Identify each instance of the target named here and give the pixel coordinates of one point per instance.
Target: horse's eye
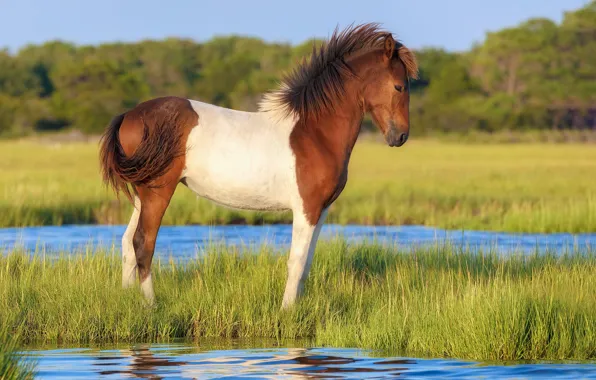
(399, 88)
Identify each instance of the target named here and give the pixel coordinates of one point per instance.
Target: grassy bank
(519, 188)
(437, 302)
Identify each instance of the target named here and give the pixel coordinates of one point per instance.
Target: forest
(539, 75)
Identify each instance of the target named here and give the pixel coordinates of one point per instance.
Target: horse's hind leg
(129, 261)
(154, 203)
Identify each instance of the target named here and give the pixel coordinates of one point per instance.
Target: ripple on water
(181, 361)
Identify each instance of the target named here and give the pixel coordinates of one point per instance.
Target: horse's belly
(234, 195)
(251, 183)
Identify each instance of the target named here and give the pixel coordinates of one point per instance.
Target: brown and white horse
(290, 155)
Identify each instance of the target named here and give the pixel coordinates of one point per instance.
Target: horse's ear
(389, 46)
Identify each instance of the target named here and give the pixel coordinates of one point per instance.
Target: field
(438, 302)
(537, 187)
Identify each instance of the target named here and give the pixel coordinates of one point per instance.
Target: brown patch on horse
(322, 158)
(141, 146)
(154, 203)
(328, 119)
(314, 86)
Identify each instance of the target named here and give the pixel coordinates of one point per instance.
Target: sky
(454, 25)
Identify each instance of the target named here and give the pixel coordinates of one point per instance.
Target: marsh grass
(12, 365)
(439, 302)
(537, 187)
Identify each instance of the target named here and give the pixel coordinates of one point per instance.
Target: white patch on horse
(242, 160)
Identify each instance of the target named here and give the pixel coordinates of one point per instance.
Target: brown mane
(313, 86)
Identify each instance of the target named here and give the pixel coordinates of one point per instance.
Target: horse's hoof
(286, 305)
(150, 304)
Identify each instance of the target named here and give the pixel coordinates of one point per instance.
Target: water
(191, 362)
(184, 242)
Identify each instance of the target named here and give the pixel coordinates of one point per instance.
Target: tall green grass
(438, 302)
(13, 366)
(520, 188)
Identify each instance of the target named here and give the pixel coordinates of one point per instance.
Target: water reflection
(144, 364)
(183, 361)
(294, 363)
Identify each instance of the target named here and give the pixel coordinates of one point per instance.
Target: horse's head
(386, 91)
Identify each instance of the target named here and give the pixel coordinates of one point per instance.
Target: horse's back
(240, 159)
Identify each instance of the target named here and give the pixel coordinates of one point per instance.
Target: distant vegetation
(538, 75)
(518, 188)
(437, 302)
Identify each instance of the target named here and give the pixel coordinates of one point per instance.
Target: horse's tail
(152, 158)
(112, 159)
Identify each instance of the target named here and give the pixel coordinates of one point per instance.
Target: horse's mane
(313, 85)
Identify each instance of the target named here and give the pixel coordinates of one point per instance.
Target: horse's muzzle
(395, 137)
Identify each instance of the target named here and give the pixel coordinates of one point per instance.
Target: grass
(438, 302)
(518, 136)
(519, 188)
(13, 366)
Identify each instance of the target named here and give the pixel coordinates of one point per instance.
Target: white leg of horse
(304, 241)
(147, 290)
(129, 260)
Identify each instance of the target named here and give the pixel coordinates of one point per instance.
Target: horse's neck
(341, 128)
(345, 119)
(333, 135)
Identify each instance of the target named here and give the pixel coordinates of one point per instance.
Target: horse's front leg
(304, 240)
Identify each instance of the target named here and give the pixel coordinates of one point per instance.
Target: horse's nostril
(403, 138)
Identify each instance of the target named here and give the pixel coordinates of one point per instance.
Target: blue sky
(451, 24)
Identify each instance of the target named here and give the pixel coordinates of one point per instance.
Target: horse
(291, 154)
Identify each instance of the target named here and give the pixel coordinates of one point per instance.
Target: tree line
(537, 75)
